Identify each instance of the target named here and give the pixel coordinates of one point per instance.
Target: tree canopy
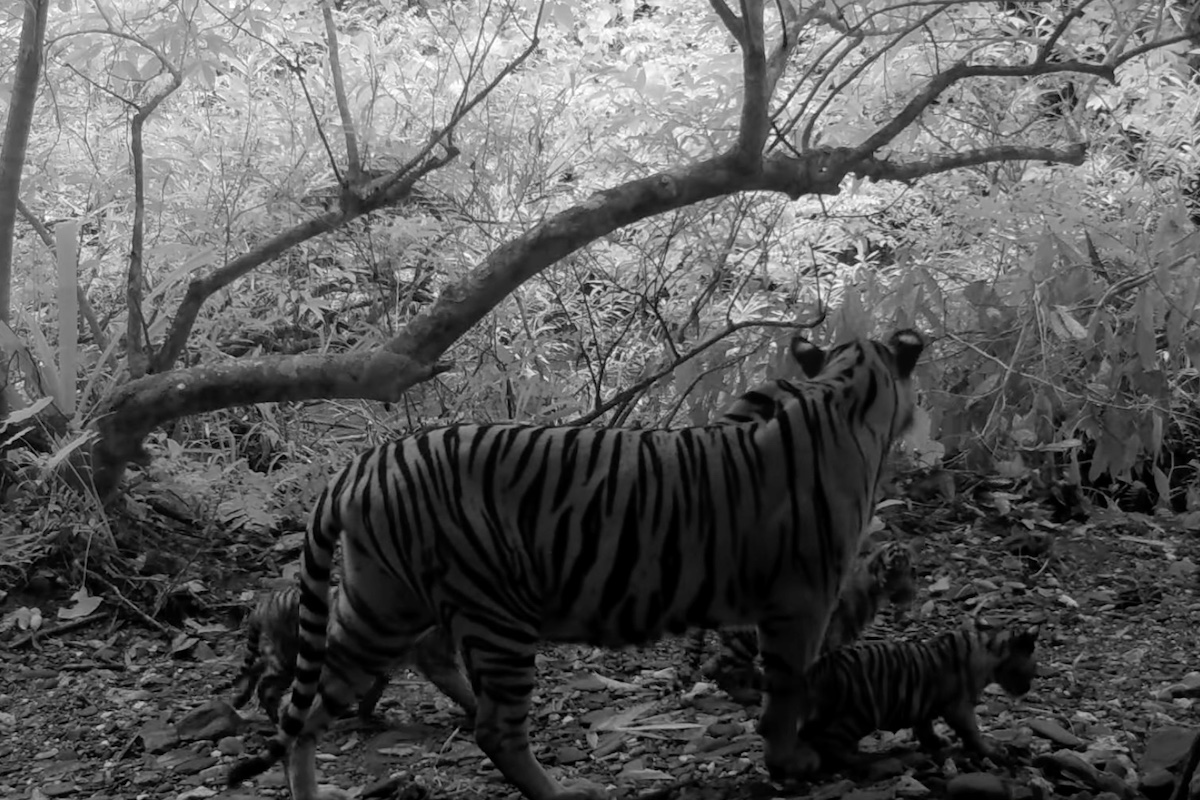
(605, 210)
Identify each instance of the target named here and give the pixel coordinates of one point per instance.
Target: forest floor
(109, 708)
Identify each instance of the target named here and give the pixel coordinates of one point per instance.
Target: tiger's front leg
(789, 646)
(962, 720)
(504, 683)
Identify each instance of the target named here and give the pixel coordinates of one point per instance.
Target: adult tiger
(508, 535)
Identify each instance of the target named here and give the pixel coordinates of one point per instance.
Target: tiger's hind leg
(367, 703)
(437, 660)
(301, 763)
(929, 738)
(504, 675)
(789, 646)
(361, 646)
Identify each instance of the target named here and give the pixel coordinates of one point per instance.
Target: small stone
(193, 765)
(58, 789)
(909, 786)
(1157, 784)
(388, 787)
(1167, 748)
(723, 730)
(570, 755)
(885, 769)
(1049, 729)
(869, 794)
(210, 722)
(230, 746)
(978, 786)
(158, 739)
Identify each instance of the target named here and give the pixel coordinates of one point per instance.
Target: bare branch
(200, 289)
(888, 170)
(1129, 55)
(944, 80)
(731, 21)
(413, 355)
(806, 136)
(630, 392)
(137, 347)
(790, 24)
(756, 93)
(387, 188)
(139, 406)
(1048, 47)
(353, 165)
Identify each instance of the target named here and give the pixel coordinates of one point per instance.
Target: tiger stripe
(508, 535)
(272, 642)
(886, 574)
(891, 686)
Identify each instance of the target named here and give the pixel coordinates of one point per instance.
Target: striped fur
(895, 685)
(886, 574)
(272, 641)
(508, 535)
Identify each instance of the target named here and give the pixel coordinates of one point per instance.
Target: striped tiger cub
(509, 535)
(270, 663)
(890, 686)
(886, 574)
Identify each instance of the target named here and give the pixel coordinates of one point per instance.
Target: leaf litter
(113, 710)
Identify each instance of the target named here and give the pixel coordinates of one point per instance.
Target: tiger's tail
(323, 529)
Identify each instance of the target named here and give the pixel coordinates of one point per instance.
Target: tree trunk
(12, 160)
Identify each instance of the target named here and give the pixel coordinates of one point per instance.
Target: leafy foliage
(1007, 262)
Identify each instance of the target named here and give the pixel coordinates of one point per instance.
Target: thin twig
(54, 630)
(129, 605)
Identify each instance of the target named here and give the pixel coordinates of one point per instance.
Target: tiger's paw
(994, 753)
(322, 792)
(805, 762)
(582, 790)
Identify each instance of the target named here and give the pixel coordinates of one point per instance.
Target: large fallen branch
(413, 355)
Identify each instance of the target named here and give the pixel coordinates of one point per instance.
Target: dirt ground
(111, 709)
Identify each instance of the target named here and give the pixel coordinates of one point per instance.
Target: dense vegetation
(267, 217)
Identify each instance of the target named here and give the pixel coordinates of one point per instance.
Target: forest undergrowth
(129, 699)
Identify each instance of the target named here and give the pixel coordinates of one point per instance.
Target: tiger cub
(884, 575)
(890, 685)
(272, 640)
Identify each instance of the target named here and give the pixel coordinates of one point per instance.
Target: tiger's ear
(1025, 641)
(907, 345)
(810, 357)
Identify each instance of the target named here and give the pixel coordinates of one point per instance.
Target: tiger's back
(671, 564)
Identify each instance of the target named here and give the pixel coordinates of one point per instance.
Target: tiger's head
(875, 377)
(894, 574)
(1014, 664)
